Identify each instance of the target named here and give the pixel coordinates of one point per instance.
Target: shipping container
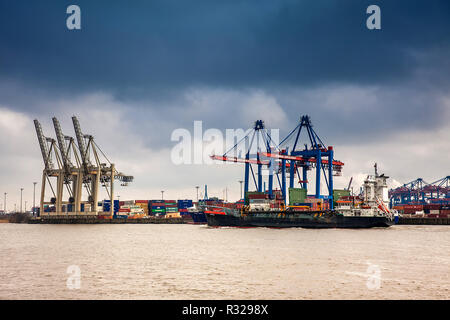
(296, 195)
(339, 193)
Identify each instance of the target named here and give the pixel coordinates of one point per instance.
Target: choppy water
(198, 262)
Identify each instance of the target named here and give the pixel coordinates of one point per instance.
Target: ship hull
(296, 220)
(198, 217)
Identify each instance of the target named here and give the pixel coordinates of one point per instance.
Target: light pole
(240, 181)
(162, 194)
(4, 203)
(21, 191)
(25, 205)
(197, 191)
(34, 198)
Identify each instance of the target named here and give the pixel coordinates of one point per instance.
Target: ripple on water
(197, 262)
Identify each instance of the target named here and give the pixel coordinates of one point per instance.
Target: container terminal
(76, 169)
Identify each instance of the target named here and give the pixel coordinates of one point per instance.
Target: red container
(443, 215)
(124, 210)
(431, 215)
(121, 203)
(141, 201)
(257, 196)
(432, 206)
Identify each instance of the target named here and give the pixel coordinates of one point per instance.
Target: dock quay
(82, 219)
(423, 221)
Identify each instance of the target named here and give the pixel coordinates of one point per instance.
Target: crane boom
(43, 145)
(81, 144)
(235, 159)
(297, 158)
(62, 145)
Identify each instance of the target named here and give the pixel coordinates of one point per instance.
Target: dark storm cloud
(140, 47)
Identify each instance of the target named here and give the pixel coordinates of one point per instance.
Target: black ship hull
(198, 217)
(275, 219)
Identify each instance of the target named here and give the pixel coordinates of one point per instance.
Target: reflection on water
(197, 262)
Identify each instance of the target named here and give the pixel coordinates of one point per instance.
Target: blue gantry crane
(284, 158)
(419, 191)
(254, 141)
(314, 155)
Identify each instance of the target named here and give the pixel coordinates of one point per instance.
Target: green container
(339, 193)
(296, 195)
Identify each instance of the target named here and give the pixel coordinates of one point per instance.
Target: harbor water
(199, 262)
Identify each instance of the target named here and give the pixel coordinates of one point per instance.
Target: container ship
(367, 211)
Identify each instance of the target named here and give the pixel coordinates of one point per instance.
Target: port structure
(285, 160)
(419, 192)
(74, 166)
(314, 155)
(253, 143)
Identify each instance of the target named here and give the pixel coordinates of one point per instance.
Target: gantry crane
(97, 172)
(255, 141)
(279, 160)
(74, 170)
(310, 157)
(421, 192)
(72, 173)
(49, 154)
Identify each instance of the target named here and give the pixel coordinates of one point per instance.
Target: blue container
(82, 207)
(184, 204)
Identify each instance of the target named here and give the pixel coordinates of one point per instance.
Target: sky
(137, 71)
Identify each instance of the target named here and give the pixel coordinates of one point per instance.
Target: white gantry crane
(77, 165)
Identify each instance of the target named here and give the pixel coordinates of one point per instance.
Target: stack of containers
(171, 207)
(127, 203)
(144, 205)
(183, 206)
(412, 208)
(317, 204)
(157, 207)
(431, 209)
(251, 195)
(444, 211)
(107, 205)
(239, 204)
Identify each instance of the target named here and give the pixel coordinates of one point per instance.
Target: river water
(198, 262)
